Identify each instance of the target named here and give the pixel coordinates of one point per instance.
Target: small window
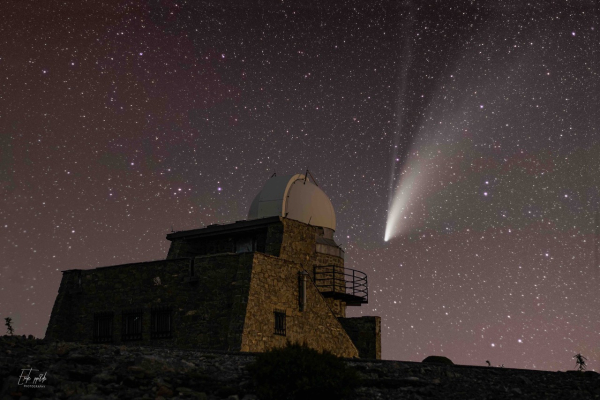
(132, 325)
(161, 323)
(103, 327)
(279, 322)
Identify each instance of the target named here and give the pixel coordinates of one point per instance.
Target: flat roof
(217, 229)
(126, 264)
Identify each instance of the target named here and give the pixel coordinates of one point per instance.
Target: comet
(431, 166)
(407, 198)
(398, 212)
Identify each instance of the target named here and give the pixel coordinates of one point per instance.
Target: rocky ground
(90, 372)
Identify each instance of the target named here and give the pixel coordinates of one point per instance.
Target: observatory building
(246, 286)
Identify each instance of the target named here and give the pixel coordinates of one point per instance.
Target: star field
(123, 120)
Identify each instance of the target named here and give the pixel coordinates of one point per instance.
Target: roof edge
(226, 228)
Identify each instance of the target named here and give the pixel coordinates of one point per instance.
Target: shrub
(298, 372)
(9, 328)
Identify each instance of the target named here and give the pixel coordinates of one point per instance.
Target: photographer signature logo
(30, 379)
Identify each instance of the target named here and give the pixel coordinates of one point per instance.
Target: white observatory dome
(293, 197)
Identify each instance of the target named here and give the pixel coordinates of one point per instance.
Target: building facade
(247, 286)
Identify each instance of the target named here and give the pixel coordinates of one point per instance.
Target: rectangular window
(161, 323)
(132, 325)
(103, 327)
(279, 322)
(244, 245)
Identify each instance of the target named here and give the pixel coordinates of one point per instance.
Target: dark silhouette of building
(245, 286)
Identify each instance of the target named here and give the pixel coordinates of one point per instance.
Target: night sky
(476, 120)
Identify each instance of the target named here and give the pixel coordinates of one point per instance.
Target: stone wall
(365, 333)
(337, 306)
(275, 287)
(298, 243)
(224, 301)
(208, 309)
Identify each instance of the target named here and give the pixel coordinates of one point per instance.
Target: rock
(526, 381)
(92, 397)
(164, 391)
(112, 387)
(92, 388)
(82, 373)
(183, 391)
(162, 382)
(438, 360)
(98, 371)
(136, 372)
(104, 378)
(83, 359)
(130, 394)
(46, 391)
(72, 388)
(62, 349)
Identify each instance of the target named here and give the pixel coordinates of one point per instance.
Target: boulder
(438, 360)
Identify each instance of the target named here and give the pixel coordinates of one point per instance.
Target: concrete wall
(208, 310)
(365, 333)
(274, 286)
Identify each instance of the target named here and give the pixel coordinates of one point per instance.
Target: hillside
(90, 372)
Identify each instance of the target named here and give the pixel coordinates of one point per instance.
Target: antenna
(312, 177)
(274, 174)
(306, 174)
(172, 229)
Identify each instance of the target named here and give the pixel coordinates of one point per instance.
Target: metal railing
(346, 283)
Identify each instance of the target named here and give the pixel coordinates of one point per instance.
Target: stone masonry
(224, 287)
(275, 286)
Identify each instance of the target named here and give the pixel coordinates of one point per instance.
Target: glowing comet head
(398, 222)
